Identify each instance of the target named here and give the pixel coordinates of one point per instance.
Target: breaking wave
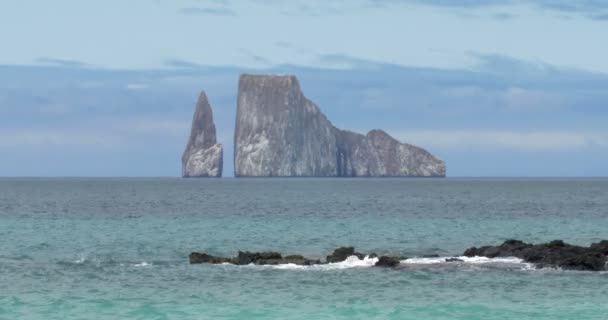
(464, 259)
(367, 262)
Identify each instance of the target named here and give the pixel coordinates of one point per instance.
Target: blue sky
(495, 88)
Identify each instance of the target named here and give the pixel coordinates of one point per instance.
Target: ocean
(117, 248)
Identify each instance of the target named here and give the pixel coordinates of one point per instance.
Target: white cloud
(523, 140)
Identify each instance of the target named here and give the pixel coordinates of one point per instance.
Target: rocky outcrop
(387, 262)
(553, 254)
(340, 254)
(279, 132)
(203, 157)
(257, 258)
(275, 258)
(377, 154)
(199, 257)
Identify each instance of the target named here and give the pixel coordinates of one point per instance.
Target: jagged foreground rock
(275, 258)
(203, 156)
(281, 133)
(554, 254)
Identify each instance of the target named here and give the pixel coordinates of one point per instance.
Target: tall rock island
(203, 156)
(281, 133)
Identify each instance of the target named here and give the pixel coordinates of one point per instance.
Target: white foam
(469, 260)
(463, 259)
(143, 264)
(350, 262)
(366, 262)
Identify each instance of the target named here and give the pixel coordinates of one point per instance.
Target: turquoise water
(117, 248)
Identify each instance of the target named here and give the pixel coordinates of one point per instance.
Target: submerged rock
(203, 156)
(553, 254)
(279, 132)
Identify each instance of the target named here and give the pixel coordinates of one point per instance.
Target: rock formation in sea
(275, 258)
(279, 132)
(341, 253)
(556, 253)
(203, 156)
(258, 258)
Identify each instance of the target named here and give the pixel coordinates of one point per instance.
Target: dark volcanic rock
(294, 256)
(197, 257)
(340, 254)
(247, 257)
(258, 258)
(203, 157)
(272, 258)
(553, 254)
(281, 133)
(385, 261)
(509, 248)
(300, 260)
(601, 246)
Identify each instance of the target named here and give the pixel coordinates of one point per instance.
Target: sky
(494, 88)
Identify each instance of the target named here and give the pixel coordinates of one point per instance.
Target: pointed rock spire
(203, 156)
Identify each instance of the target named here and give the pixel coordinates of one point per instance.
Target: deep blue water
(118, 248)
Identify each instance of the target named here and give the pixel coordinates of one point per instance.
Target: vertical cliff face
(203, 157)
(279, 132)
